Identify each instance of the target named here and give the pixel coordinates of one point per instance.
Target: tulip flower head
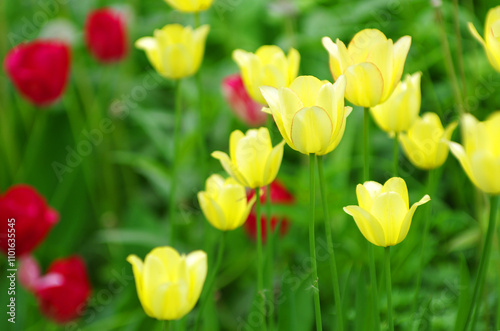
(243, 106)
(175, 51)
(62, 292)
(480, 154)
(190, 6)
(224, 203)
(383, 214)
(310, 114)
(426, 142)
(491, 41)
(268, 66)
(372, 64)
(398, 112)
(105, 35)
(22, 208)
(39, 70)
(279, 196)
(169, 284)
(252, 161)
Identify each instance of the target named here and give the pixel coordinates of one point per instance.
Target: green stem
(395, 155)
(175, 160)
(33, 143)
(331, 252)
(260, 264)
(389, 287)
(312, 241)
(458, 35)
(483, 264)
(210, 284)
(202, 125)
(196, 19)
(430, 191)
(270, 256)
(373, 283)
(166, 325)
(366, 144)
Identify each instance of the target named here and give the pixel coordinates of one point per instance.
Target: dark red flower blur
(279, 195)
(39, 70)
(32, 219)
(244, 107)
(62, 292)
(106, 35)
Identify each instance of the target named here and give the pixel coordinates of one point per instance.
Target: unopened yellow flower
(224, 203)
(398, 112)
(252, 162)
(175, 51)
(310, 114)
(169, 284)
(190, 6)
(383, 215)
(480, 155)
(268, 66)
(372, 64)
(426, 142)
(491, 41)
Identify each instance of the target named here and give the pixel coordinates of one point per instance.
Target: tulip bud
(279, 196)
(25, 213)
(426, 142)
(105, 35)
(310, 114)
(224, 203)
(253, 162)
(175, 51)
(268, 66)
(491, 41)
(63, 291)
(383, 215)
(402, 107)
(246, 109)
(39, 70)
(190, 6)
(169, 284)
(480, 154)
(372, 64)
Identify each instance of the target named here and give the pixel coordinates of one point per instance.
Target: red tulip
(39, 70)
(33, 219)
(105, 35)
(279, 195)
(62, 292)
(244, 107)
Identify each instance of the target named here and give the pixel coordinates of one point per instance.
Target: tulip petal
(397, 185)
(311, 130)
(338, 132)
(169, 301)
(196, 263)
(339, 59)
(365, 84)
(234, 139)
(293, 59)
(405, 226)
(137, 268)
(365, 199)
(230, 167)
(462, 157)
(486, 170)
(273, 163)
(368, 225)
(390, 209)
(212, 211)
(251, 153)
(401, 49)
(307, 89)
(177, 61)
(234, 201)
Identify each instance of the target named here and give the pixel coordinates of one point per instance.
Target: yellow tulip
(372, 64)
(224, 203)
(190, 6)
(310, 114)
(383, 215)
(253, 162)
(480, 155)
(175, 51)
(426, 143)
(268, 66)
(491, 41)
(168, 284)
(398, 112)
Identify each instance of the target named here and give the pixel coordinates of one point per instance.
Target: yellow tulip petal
(169, 301)
(230, 167)
(234, 139)
(311, 130)
(365, 84)
(338, 132)
(307, 89)
(363, 42)
(339, 59)
(273, 163)
(137, 268)
(177, 61)
(365, 200)
(405, 226)
(475, 34)
(214, 183)
(486, 170)
(397, 185)
(401, 49)
(212, 211)
(250, 157)
(390, 209)
(369, 227)
(234, 199)
(196, 263)
(290, 105)
(293, 59)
